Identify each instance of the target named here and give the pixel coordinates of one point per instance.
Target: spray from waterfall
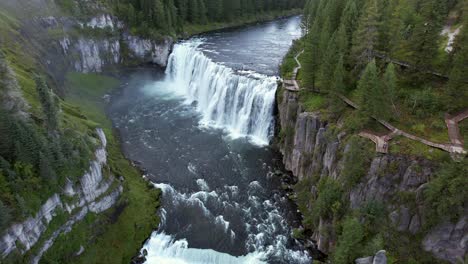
(241, 103)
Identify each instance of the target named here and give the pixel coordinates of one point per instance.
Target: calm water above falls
(201, 130)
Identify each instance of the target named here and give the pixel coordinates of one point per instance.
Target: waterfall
(240, 103)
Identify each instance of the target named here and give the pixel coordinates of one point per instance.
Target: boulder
(366, 260)
(380, 257)
(448, 241)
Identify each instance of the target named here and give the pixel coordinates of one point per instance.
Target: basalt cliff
(314, 149)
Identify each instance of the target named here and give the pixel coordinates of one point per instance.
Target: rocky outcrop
(149, 51)
(448, 241)
(93, 54)
(309, 150)
(91, 45)
(93, 193)
(104, 21)
(379, 258)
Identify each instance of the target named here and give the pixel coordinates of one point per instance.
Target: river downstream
(201, 130)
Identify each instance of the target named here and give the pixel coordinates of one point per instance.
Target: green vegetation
(86, 91)
(55, 139)
(349, 240)
(356, 162)
(120, 231)
(389, 58)
(289, 63)
(36, 153)
(357, 48)
(312, 102)
(159, 17)
(446, 195)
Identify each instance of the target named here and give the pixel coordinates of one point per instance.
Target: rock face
(94, 44)
(93, 54)
(448, 241)
(149, 51)
(93, 193)
(308, 150)
(379, 258)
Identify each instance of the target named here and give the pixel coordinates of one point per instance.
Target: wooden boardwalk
(455, 147)
(292, 85)
(453, 129)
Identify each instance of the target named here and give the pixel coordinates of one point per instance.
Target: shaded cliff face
(310, 150)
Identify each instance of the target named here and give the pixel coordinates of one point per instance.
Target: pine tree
(390, 84)
(339, 74)
(342, 40)
(328, 63)
(365, 37)
(384, 34)
(424, 41)
(366, 90)
(160, 15)
(349, 19)
(49, 105)
(202, 10)
(311, 59)
(45, 170)
(457, 88)
(397, 29)
(338, 85)
(5, 216)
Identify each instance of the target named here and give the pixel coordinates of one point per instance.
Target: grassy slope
(123, 228)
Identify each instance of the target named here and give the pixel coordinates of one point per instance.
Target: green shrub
(446, 195)
(349, 242)
(356, 162)
(328, 201)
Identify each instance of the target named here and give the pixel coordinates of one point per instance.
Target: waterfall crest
(240, 103)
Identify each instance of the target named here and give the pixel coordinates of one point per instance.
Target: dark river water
(201, 130)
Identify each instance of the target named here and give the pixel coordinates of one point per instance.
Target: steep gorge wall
(310, 149)
(93, 193)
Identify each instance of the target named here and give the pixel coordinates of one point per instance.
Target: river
(201, 130)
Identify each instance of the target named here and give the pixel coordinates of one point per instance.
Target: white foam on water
(203, 185)
(266, 228)
(163, 248)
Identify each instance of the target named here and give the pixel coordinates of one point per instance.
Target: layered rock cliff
(310, 149)
(94, 192)
(94, 44)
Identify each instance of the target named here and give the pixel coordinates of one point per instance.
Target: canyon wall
(94, 193)
(93, 44)
(310, 149)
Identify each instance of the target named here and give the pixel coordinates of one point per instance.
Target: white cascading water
(266, 235)
(242, 104)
